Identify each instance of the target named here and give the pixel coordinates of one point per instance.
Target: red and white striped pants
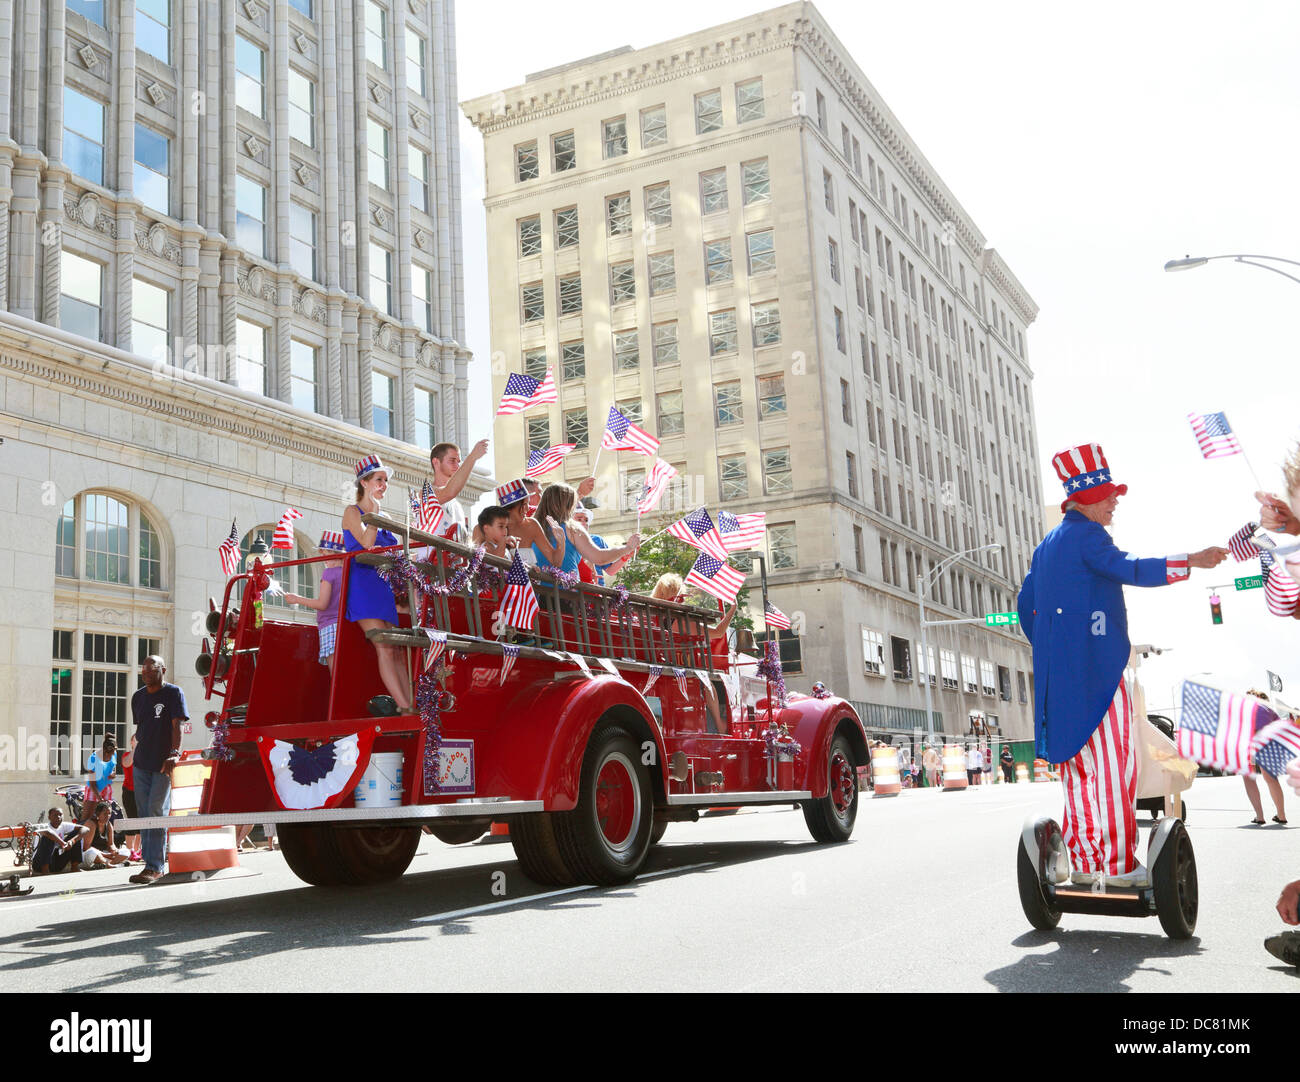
(1100, 822)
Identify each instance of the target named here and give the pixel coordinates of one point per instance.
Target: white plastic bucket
(381, 785)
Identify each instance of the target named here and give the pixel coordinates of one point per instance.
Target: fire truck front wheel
(328, 856)
(605, 839)
(831, 818)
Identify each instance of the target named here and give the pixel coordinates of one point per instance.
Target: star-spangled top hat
(511, 492)
(1085, 474)
(371, 464)
(331, 541)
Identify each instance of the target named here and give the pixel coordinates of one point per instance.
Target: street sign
(1250, 582)
(1000, 619)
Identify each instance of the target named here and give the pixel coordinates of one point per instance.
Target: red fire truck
(587, 736)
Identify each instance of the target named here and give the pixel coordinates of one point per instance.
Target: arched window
(112, 610)
(295, 580)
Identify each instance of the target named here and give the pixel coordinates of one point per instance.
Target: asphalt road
(923, 898)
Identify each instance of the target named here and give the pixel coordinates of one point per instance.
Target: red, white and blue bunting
(437, 644)
(303, 778)
(680, 674)
(509, 655)
(656, 671)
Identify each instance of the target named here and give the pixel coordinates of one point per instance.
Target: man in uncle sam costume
(1071, 607)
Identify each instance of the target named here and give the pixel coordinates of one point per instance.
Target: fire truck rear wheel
(533, 839)
(605, 839)
(660, 829)
(328, 856)
(831, 818)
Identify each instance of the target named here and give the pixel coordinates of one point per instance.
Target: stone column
(191, 106)
(124, 271)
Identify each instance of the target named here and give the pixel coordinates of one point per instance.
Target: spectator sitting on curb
(58, 846)
(98, 849)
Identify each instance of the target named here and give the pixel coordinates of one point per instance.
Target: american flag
(525, 391)
(656, 671)
(437, 644)
(622, 435)
(775, 617)
(1281, 591)
(283, 538)
(715, 577)
(1266, 562)
(1240, 544)
(741, 531)
(426, 509)
(656, 484)
(544, 461)
(697, 529)
(228, 550)
(1214, 435)
(1217, 727)
(519, 603)
(509, 655)
(1275, 745)
(680, 675)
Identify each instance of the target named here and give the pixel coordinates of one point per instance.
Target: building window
(415, 50)
(83, 135)
(821, 111)
(631, 409)
(987, 680)
(622, 282)
(618, 213)
(530, 236)
(948, 669)
(376, 35)
(302, 108)
(301, 579)
(250, 357)
(535, 363)
(570, 293)
(663, 273)
(575, 428)
(767, 324)
(150, 327)
(771, 397)
(761, 248)
(152, 28)
(302, 375)
(873, 647)
(659, 205)
(381, 278)
(250, 77)
(538, 430)
(668, 410)
(708, 112)
(841, 338)
(733, 477)
(91, 9)
(526, 166)
(381, 404)
(613, 136)
(781, 543)
(788, 646)
(81, 299)
(532, 299)
(828, 190)
(851, 472)
(777, 476)
(564, 152)
(627, 355)
(376, 153)
(755, 183)
(422, 297)
(566, 227)
(846, 403)
(302, 240)
(749, 101)
(426, 417)
(727, 408)
(654, 127)
(722, 332)
(713, 191)
(900, 651)
(633, 482)
(968, 677)
(301, 5)
(833, 256)
(664, 337)
(859, 552)
(250, 215)
(573, 361)
(717, 261)
(417, 168)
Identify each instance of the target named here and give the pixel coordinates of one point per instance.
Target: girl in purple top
(326, 603)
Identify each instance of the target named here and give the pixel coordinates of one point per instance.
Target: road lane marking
(506, 903)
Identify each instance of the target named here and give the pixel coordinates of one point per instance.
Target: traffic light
(1216, 611)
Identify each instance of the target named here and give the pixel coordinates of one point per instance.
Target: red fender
(813, 723)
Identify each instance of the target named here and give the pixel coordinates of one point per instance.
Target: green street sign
(1000, 619)
(1250, 582)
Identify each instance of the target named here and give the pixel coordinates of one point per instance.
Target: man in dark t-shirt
(158, 709)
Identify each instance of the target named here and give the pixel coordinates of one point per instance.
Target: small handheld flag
(524, 391)
(656, 484)
(1281, 591)
(622, 435)
(426, 509)
(1274, 681)
(741, 532)
(1240, 544)
(697, 529)
(1214, 435)
(283, 538)
(519, 603)
(775, 617)
(1217, 727)
(714, 576)
(544, 460)
(228, 551)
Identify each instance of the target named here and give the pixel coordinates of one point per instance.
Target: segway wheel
(1033, 899)
(1173, 880)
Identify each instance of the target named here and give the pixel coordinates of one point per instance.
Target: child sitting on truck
(326, 603)
(494, 529)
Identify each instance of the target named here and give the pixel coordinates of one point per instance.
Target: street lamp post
(923, 583)
(1192, 262)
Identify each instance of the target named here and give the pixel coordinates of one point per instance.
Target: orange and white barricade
(1022, 772)
(885, 778)
(196, 849)
(954, 766)
(1042, 770)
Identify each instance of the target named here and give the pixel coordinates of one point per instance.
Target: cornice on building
(997, 271)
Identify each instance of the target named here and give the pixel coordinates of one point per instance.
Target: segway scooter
(1043, 874)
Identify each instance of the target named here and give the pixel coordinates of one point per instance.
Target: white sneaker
(1136, 879)
(1084, 879)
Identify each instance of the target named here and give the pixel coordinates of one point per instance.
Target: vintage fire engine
(596, 738)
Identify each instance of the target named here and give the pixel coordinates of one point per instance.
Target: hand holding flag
(524, 391)
(622, 435)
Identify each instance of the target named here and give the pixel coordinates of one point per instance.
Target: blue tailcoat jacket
(1071, 607)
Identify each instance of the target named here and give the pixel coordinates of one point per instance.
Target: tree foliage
(665, 554)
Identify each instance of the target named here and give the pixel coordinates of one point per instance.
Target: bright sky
(1090, 146)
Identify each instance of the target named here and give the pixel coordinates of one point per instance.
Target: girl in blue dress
(370, 599)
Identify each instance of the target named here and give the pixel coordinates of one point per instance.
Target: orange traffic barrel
(885, 780)
(954, 766)
(196, 849)
(1022, 772)
(1041, 770)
